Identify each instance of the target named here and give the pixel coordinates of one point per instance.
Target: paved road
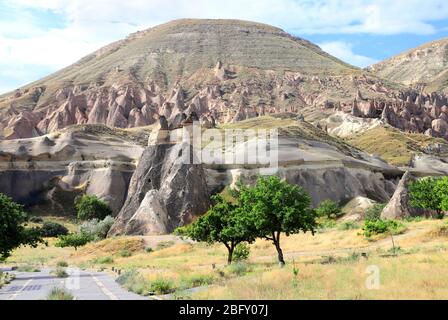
(83, 285)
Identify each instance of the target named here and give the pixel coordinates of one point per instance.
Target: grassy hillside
(392, 145)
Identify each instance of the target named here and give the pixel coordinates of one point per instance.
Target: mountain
(224, 70)
(425, 66)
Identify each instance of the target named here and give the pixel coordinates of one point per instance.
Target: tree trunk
(281, 260)
(230, 255)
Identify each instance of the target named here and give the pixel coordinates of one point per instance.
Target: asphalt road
(83, 285)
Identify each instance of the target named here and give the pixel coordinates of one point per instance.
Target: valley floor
(335, 263)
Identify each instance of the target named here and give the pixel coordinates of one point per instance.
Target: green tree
(425, 194)
(224, 223)
(90, 207)
(74, 240)
(13, 230)
(441, 190)
(275, 206)
(329, 209)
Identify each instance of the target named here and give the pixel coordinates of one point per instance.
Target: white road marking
(21, 289)
(104, 289)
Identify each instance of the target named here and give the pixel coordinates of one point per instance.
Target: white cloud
(344, 51)
(89, 24)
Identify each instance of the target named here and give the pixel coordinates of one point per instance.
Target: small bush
(162, 286)
(35, 219)
(325, 223)
(103, 260)
(239, 268)
(348, 225)
(62, 264)
(329, 209)
(197, 280)
(52, 229)
(241, 252)
(97, 229)
(91, 207)
(125, 253)
(74, 240)
(149, 249)
(60, 272)
(28, 268)
(374, 212)
(375, 227)
(134, 282)
(59, 294)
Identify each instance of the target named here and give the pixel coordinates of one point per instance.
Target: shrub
(239, 268)
(52, 229)
(348, 225)
(134, 282)
(241, 252)
(90, 207)
(62, 264)
(374, 212)
(103, 260)
(59, 294)
(74, 240)
(329, 209)
(149, 249)
(197, 280)
(326, 223)
(125, 253)
(375, 227)
(162, 286)
(35, 219)
(28, 268)
(96, 228)
(60, 272)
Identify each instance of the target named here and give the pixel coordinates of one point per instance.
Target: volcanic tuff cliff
(225, 70)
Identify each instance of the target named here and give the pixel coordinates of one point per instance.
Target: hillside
(225, 70)
(425, 66)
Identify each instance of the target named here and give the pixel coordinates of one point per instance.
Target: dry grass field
(333, 264)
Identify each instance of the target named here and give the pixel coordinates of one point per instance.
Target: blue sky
(38, 37)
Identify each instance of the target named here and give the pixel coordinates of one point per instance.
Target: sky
(38, 37)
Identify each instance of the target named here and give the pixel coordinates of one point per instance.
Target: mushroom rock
(371, 110)
(148, 114)
(205, 122)
(398, 206)
(359, 95)
(220, 72)
(177, 98)
(116, 117)
(355, 110)
(177, 121)
(162, 198)
(240, 115)
(166, 109)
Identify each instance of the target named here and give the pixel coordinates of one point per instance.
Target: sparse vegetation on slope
(392, 145)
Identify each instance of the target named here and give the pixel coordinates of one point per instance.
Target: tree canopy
(224, 223)
(430, 193)
(274, 206)
(13, 230)
(90, 207)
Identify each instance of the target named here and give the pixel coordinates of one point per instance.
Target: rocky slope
(425, 67)
(224, 70)
(46, 173)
